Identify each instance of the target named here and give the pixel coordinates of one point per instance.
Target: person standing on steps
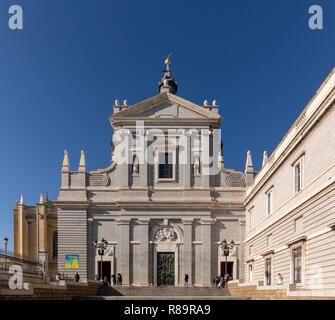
(77, 277)
(280, 279)
(114, 279)
(186, 280)
(119, 279)
(225, 280)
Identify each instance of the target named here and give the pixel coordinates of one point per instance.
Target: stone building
(164, 204)
(290, 205)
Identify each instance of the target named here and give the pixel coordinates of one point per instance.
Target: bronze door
(165, 269)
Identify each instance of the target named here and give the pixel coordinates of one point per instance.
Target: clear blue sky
(60, 75)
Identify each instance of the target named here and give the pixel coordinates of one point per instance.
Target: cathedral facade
(164, 204)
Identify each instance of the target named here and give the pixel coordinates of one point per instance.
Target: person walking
(77, 277)
(213, 282)
(186, 280)
(217, 281)
(114, 279)
(280, 279)
(225, 280)
(120, 279)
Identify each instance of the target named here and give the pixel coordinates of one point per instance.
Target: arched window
(55, 245)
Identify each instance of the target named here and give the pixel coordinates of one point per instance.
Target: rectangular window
(297, 176)
(268, 271)
(269, 240)
(250, 272)
(297, 264)
(269, 201)
(250, 220)
(250, 249)
(298, 226)
(165, 165)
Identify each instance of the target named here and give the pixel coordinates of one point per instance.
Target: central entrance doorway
(165, 268)
(229, 269)
(106, 270)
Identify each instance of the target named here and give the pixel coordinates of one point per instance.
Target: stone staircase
(39, 291)
(162, 291)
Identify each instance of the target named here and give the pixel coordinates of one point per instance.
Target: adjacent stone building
(290, 205)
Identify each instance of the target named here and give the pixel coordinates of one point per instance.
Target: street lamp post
(101, 246)
(225, 250)
(6, 243)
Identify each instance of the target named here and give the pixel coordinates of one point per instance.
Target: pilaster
(23, 231)
(187, 248)
(142, 155)
(144, 239)
(206, 263)
(185, 159)
(205, 149)
(123, 266)
(124, 157)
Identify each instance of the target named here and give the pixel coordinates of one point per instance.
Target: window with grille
(268, 271)
(297, 176)
(269, 202)
(297, 264)
(165, 165)
(55, 245)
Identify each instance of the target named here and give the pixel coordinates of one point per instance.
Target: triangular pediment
(166, 106)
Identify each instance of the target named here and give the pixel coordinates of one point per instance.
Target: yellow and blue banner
(72, 261)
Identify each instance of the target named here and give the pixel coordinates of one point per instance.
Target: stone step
(162, 291)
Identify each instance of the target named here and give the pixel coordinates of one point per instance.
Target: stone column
(90, 250)
(22, 231)
(123, 156)
(204, 165)
(42, 227)
(124, 249)
(144, 248)
(185, 159)
(143, 159)
(188, 248)
(206, 263)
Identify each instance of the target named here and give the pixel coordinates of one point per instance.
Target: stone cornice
(154, 101)
(123, 221)
(301, 238)
(144, 220)
(187, 220)
(167, 121)
(182, 204)
(207, 221)
(267, 253)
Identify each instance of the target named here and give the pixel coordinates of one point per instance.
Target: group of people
(117, 279)
(64, 277)
(220, 281)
